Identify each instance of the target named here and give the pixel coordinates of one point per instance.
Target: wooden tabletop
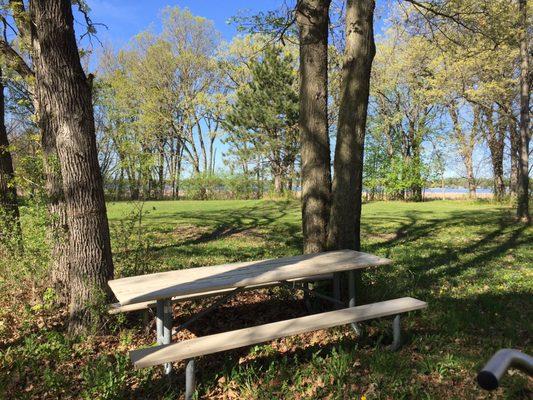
(165, 285)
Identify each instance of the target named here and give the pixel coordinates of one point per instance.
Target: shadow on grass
(471, 324)
(219, 225)
(446, 261)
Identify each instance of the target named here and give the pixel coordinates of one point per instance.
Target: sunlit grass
(470, 261)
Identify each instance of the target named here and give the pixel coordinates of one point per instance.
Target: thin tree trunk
(471, 181)
(10, 231)
(58, 231)
(515, 142)
(522, 209)
(203, 149)
(466, 145)
(416, 189)
(344, 229)
(495, 140)
(64, 88)
(312, 19)
(161, 171)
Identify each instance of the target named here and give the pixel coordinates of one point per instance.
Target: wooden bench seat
(117, 308)
(248, 336)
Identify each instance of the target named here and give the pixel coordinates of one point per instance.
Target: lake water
(457, 190)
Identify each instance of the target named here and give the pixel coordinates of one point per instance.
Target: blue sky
(126, 18)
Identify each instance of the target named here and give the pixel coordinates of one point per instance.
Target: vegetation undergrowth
(469, 260)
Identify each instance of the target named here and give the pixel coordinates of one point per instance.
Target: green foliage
(31, 260)
(224, 186)
(262, 123)
(132, 246)
(159, 104)
(402, 124)
(106, 378)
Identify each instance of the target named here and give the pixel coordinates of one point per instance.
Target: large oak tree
(312, 19)
(64, 95)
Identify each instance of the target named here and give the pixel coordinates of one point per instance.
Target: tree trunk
(65, 90)
(10, 231)
(344, 229)
(58, 232)
(312, 19)
(416, 188)
(119, 192)
(522, 209)
(515, 141)
(471, 181)
(161, 171)
(495, 140)
(466, 144)
(278, 182)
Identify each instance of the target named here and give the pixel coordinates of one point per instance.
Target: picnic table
(164, 288)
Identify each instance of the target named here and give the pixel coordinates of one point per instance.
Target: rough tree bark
(522, 209)
(10, 231)
(57, 231)
(312, 19)
(64, 89)
(344, 228)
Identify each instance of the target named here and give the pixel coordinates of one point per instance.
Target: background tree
(402, 112)
(265, 114)
(522, 210)
(481, 29)
(10, 230)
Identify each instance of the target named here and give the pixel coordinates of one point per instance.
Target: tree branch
(15, 61)
(20, 17)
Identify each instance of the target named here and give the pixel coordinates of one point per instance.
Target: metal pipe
(160, 312)
(396, 334)
(489, 377)
(351, 288)
(351, 303)
(167, 330)
(190, 381)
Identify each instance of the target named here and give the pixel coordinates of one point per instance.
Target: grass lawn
(469, 260)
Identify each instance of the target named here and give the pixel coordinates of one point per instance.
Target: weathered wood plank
(116, 308)
(244, 337)
(204, 279)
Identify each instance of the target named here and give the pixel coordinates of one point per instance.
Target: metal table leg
(396, 334)
(351, 289)
(190, 381)
(164, 326)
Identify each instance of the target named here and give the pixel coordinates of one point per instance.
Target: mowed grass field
(470, 261)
